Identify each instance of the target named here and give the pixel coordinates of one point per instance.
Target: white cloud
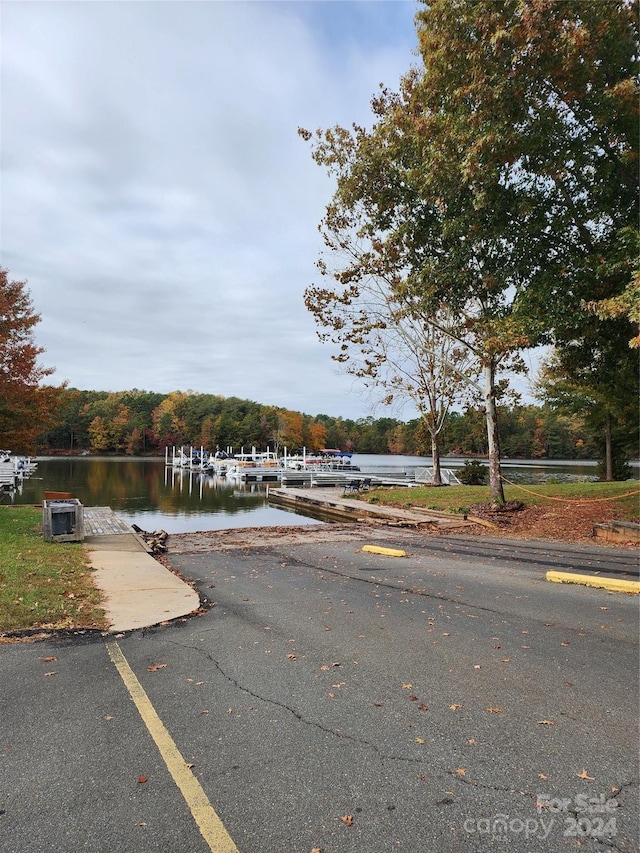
(157, 197)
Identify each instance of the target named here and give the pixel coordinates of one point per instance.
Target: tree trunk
(493, 438)
(435, 455)
(608, 451)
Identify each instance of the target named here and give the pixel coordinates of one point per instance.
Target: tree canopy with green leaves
(501, 180)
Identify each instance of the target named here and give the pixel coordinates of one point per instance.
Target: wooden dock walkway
(102, 521)
(330, 503)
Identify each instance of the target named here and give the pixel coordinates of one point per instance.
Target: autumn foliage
(25, 407)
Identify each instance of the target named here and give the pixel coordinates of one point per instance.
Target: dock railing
(425, 475)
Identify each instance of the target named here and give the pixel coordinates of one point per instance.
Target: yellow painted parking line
(378, 549)
(209, 823)
(612, 584)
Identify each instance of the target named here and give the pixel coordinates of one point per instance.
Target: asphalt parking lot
(335, 699)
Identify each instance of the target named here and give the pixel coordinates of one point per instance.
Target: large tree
(597, 378)
(501, 179)
(395, 351)
(26, 406)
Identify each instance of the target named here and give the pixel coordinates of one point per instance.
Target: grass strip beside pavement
(44, 585)
(458, 499)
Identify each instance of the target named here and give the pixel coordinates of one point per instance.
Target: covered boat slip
(263, 466)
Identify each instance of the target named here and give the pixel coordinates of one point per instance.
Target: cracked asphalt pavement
(343, 701)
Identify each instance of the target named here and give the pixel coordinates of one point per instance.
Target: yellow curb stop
(389, 552)
(612, 584)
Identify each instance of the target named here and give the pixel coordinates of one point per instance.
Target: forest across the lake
(144, 423)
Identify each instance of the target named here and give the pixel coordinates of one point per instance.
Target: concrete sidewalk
(138, 591)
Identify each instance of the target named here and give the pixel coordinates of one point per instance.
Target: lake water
(147, 493)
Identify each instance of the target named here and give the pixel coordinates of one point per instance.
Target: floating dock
(330, 506)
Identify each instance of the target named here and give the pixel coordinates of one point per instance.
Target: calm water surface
(147, 493)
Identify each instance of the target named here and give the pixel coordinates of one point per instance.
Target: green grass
(458, 499)
(44, 585)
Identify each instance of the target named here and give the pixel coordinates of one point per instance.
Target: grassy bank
(43, 584)
(459, 499)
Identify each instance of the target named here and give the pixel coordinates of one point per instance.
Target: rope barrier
(573, 500)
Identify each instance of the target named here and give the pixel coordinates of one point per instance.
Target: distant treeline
(144, 423)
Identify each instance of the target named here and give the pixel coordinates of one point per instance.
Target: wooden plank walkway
(102, 521)
(331, 502)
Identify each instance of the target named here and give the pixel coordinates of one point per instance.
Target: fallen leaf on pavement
(585, 775)
(461, 771)
(454, 707)
(142, 779)
(156, 666)
(546, 723)
(493, 710)
(49, 658)
(348, 819)
(420, 740)
(407, 686)
(52, 672)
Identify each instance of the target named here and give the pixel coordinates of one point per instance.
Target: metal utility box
(63, 520)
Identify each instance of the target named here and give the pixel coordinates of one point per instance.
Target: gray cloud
(157, 197)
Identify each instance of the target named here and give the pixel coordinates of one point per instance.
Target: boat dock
(102, 521)
(333, 507)
(13, 470)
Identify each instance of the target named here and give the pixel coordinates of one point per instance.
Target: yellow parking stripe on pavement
(209, 824)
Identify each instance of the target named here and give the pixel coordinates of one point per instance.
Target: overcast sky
(157, 198)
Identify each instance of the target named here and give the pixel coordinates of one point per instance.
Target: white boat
(322, 460)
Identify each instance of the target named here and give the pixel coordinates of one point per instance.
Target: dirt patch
(263, 537)
(567, 521)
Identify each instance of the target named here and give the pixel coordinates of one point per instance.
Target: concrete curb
(612, 584)
(389, 552)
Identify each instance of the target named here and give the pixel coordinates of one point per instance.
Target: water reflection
(145, 492)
